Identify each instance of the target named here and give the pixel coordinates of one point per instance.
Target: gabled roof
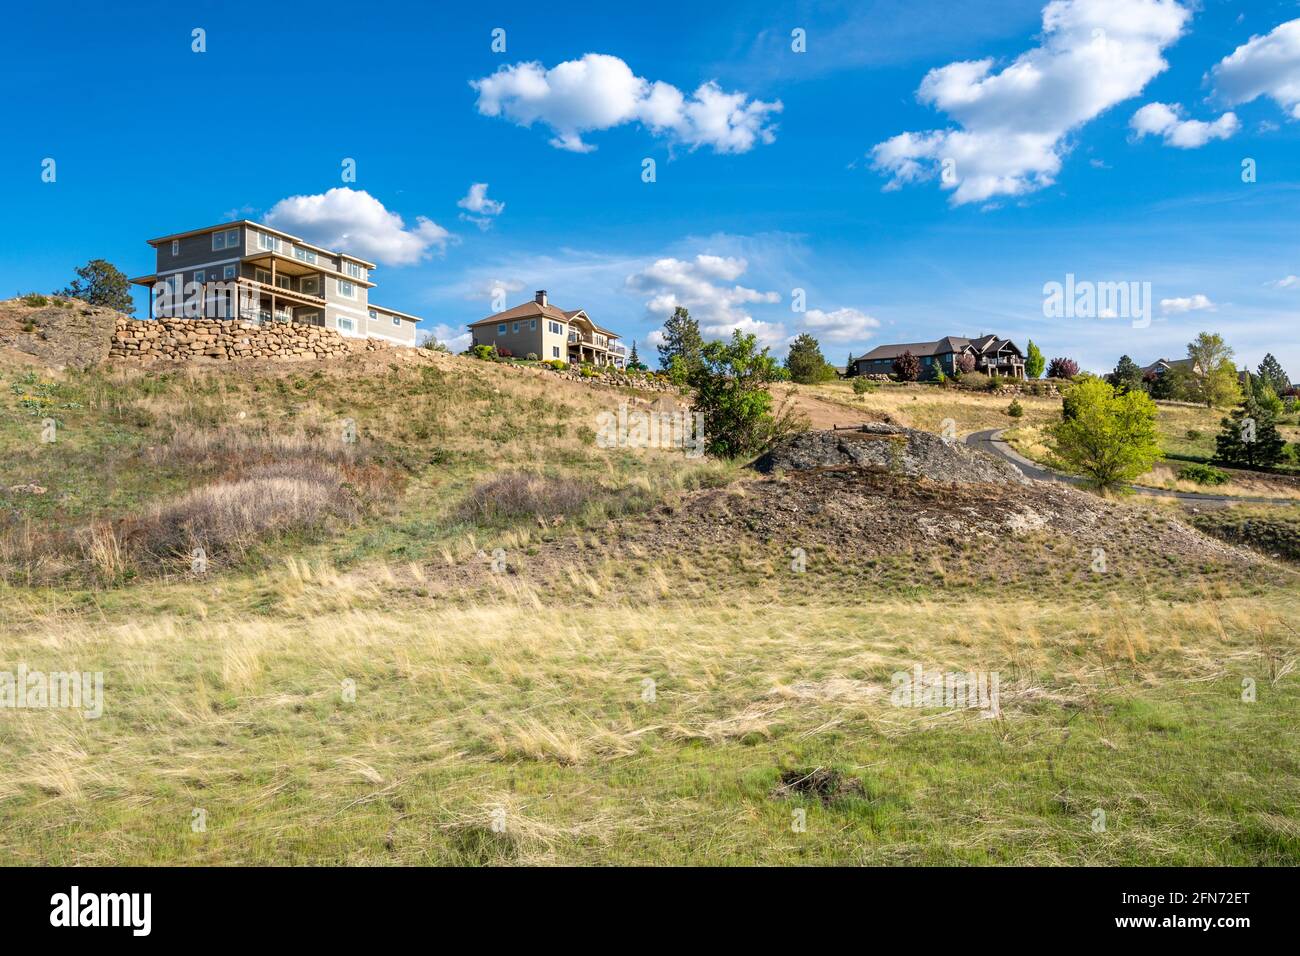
(1171, 363)
(949, 343)
(534, 309)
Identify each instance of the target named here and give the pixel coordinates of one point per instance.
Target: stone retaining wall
(182, 340)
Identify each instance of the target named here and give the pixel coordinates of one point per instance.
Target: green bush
(35, 300)
(1015, 409)
(1203, 475)
(976, 381)
(862, 386)
(1193, 434)
(486, 353)
(558, 364)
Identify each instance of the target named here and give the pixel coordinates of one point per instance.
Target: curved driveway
(990, 442)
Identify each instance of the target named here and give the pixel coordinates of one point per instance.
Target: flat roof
(387, 311)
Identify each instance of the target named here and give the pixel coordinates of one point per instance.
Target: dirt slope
(62, 332)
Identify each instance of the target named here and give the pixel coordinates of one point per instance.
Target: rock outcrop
(894, 449)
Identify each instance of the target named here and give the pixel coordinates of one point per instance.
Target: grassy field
(336, 688)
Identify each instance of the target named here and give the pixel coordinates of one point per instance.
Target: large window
(268, 242)
(304, 255)
(557, 328)
(347, 289)
(308, 285)
(354, 270)
(225, 239)
(345, 325)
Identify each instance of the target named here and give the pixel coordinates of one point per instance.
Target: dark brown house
(993, 356)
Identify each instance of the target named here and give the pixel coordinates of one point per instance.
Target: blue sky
(1061, 162)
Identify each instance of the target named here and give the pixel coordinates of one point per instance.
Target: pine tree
(1249, 437)
(681, 341)
(805, 362)
(99, 282)
(1271, 371)
(633, 360)
(1127, 376)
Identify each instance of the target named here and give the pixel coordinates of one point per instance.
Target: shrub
(1062, 368)
(1193, 434)
(976, 381)
(558, 364)
(861, 386)
(1015, 409)
(907, 367)
(965, 364)
(518, 494)
(586, 371)
(531, 357)
(1203, 475)
(505, 352)
(484, 352)
(1107, 438)
(35, 300)
(731, 393)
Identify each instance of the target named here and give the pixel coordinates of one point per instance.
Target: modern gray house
(249, 271)
(992, 355)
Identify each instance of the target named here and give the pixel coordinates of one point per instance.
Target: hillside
(474, 613)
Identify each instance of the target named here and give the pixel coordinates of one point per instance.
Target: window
(515, 329)
(303, 255)
(229, 272)
(262, 276)
(268, 242)
(176, 247)
(557, 328)
(226, 239)
(311, 318)
(345, 325)
(555, 351)
(396, 321)
(308, 285)
(347, 289)
(501, 329)
(199, 276)
(532, 326)
(354, 270)
(373, 314)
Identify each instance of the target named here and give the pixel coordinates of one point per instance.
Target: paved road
(991, 442)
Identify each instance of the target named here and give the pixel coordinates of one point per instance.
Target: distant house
(540, 329)
(1160, 366)
(993, 356)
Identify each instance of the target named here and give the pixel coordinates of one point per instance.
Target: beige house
(540, 329)
(245, 270)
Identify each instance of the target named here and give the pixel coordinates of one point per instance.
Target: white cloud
(1286, 282)
(454, 337)
(1194, 303)
(704, 286)
(1263, 66)
(1162, 119)
(355, 222)
(842, 325)
(478, 203)
(1013, 123)
(600, 92)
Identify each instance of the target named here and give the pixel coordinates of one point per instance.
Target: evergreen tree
(1034, 361)
(1272, 373)
(1249, 437)
(1127, 376)
(805, 362)
(682, 341)
(633, 360)
(99, 282)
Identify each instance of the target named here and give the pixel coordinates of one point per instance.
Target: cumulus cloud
(706, 285)
(454, 337)
(481, 209)
(842, 325)
(353, 221)
(1263, 66)
(600, 92)
(1193, 303)
(1163, 119)
(1013, 123)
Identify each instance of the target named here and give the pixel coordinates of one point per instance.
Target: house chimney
(540, 297)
